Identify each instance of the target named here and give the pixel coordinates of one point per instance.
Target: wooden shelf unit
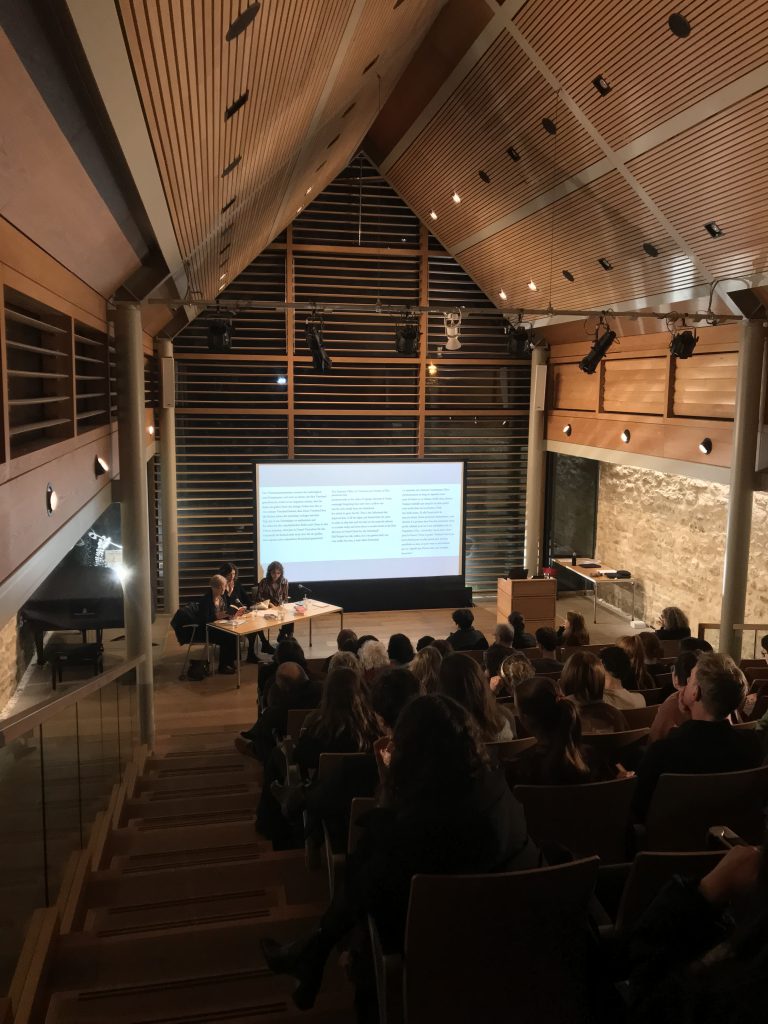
(92, 377)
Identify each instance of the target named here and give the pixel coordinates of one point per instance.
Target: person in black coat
(689, 964)
(673, 624)
(521, 639)
(236, 596)
(292, 689)
(708, 742)
(444, 811)
(547, 641)
(213, 607)
(466, 637)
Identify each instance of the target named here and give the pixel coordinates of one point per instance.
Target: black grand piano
(75, 597)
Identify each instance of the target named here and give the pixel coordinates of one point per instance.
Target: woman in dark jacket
(673, 624)
(236, 597)
(213, 607)
(444, 812)
(274, 588)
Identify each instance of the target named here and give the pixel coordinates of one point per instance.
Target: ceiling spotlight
(456, 197)
(519, 340)
(431, 369)
(220, 335)
(599, 348)
(233, 108)
(308, 191)
(568, 275)
(51, 500)
(300, 209)
(314, 335)
(679, 25)
(222, 276)
(605, 264)
(151, 430)
(502, 295)
(649, 249)
(532, 286)
(452, 323)
(484, 176)
(407, 337)
(714, 229)
(625, 436)
(705, 446)
(549, 126)
(230, 167)
(282, 380)
(100, 466)
(513, 154)
(683, 343)
(242, 21)
(567, 429)
(601, 85)
(433, 215)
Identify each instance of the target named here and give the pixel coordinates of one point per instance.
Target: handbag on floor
(198, 669)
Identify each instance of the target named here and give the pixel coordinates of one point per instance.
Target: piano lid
(75, 594)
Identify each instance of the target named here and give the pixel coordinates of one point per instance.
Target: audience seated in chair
(287, 650)
(695, 643)
(573, 632)
(291, 689)
(236, 596)
(708, 742)
(424, 641)
(466, 637)
(583, 681)
(346, 640)
(390, 693)
(400, 649)
(559, 757)
(673, 712)
(213, 607)
(673, 624)
(689, 962)
(444, 812)
(619, 678)
(641, 678)
(512, 671)
(494, 658)
(654, 654)
(548, 642)
(462, 679)
(373, 658)
(521, 639)
(426, 668)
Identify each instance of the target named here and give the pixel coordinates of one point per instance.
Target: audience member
(445, 812)
(559, 757)
(424, 641)
(344, 723)
(466, 637)
(213, 607)
(503, 634)
(689, 961)
(287, 650)
(521, 638)
(274, 589)
(344, 659)
(673, 624)
(373, 658)
(390, 692)
(583, 681)
(426, 668)
(573, 632)
(694, 643)
(672, 712)
(640, 678)
(548, 642)
(708, 742)
(494, 657)
(346, 640)
(292, 689)
(364, 640)
(443, 647)
(512, 672)
(400, 649)
(462, 679)
(618, 673)
(654, 654)
(764, 646)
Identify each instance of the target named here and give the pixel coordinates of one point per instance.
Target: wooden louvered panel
(705, 386)
(387, 387)
(225, 383)
(448, 283)
(653, 74)
(327, 438)
(479, 387)
(635, 385)
(472, 133)
(716, 171)
(571, 388)
(605, 220)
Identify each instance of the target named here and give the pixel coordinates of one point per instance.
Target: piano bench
(60, 654)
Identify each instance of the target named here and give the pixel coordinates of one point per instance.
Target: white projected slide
(357, 521)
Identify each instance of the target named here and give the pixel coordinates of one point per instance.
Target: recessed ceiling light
(433, 215)
(221, 289)
(226, 206)
(242, 21)
(222, 276)
(650, 249)
(605, 264)
(532, 286)
(484, 176)
(567, 429)
(308, 191)
(431, 369)
(456, 197)
(513, 154)
(714, 229)
(231, 166)
(601, 85)
(233, 108)
(368, 66)
(549, 126)
(625, 436)
(300, 209)
(502, 294)
(282, 380)
(705, 446)
(679, 25)
(568, 275)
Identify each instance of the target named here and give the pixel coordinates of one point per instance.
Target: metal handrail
(739, 625)
(23, 721)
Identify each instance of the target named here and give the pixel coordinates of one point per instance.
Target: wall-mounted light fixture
(705, 446)
(51, 499)
(100, 466)
(625, 436)
(567, 429)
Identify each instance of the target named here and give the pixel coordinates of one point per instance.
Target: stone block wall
(9, 660)
(669, 531)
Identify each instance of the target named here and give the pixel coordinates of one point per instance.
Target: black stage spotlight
(599, 347)
(407, 337)
(220, 336)
(519, 340)
(320, 358)
(683, 343)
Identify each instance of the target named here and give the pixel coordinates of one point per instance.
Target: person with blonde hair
(213, 607)
(426, 667)
(514, 670)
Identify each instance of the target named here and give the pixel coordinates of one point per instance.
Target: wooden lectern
(536, 600)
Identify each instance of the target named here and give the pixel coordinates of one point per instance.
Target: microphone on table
(305, 590)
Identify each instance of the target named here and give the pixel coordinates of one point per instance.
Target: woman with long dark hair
(641, 678)
(274, 589)
(462, 679)
(343, 724)
(573, 632)
(583, 681)
(237, 597)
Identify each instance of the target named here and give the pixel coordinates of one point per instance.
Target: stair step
(193, 839)
(221, 806)
(194, 759)
(196, 780)
(169, 914)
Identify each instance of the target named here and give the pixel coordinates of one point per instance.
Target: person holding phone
(274, 589)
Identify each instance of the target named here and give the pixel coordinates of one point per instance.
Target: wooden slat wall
(373, 403)
(705, 386)
(635, 385)
(572, 389)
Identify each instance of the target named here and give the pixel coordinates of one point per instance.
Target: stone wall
(10, 659)
(669, 531)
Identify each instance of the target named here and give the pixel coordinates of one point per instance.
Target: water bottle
(573, 558)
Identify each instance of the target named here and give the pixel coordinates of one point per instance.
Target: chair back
(684, 807)
(609, 742)
(360, 805)
(316, 668)
(758, 673)
(296, 717)
(592, 819)
(671, 647)
(474, 655)
(509, 749)
(500, 947)
(650, 871)
(640, 718)
(662, 681)
(655, 695)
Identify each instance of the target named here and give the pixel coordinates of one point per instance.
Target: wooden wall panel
(635, 385)
(705, 386)
(571, 388)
